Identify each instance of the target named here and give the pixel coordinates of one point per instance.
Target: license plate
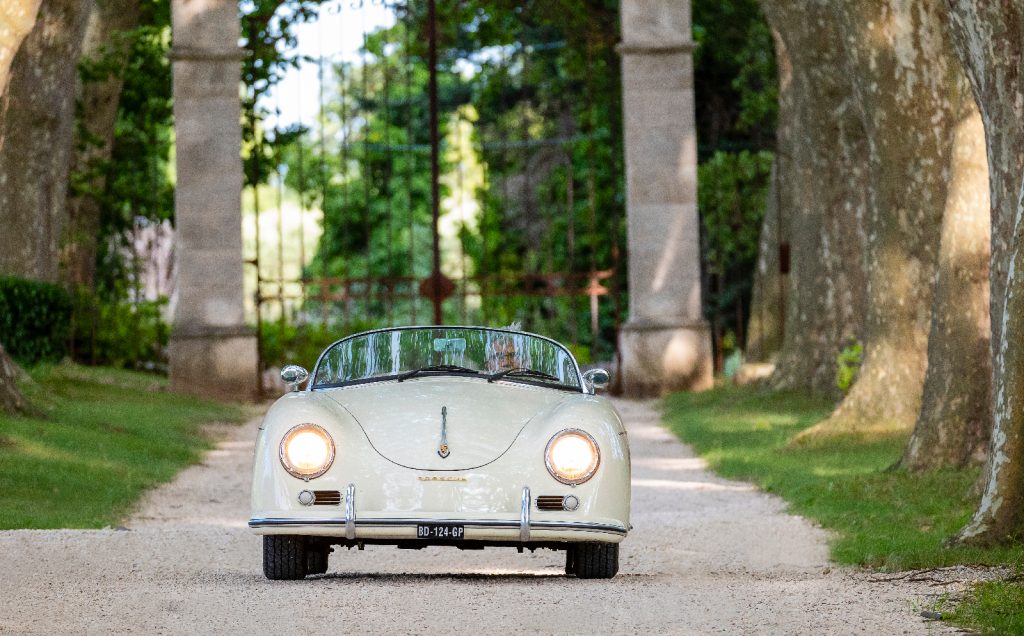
(447, 531)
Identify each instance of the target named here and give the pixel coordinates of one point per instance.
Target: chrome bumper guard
(524, 516)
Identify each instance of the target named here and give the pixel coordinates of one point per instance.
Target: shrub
(34, 320)
(120, 333)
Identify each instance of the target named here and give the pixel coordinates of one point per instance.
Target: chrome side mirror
(294, 375)
(598, 379)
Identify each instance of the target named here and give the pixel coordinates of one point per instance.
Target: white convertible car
(457, 436)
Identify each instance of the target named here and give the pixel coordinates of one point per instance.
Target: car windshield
(410, 352)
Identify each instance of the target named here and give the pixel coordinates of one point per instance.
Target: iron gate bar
(435, 167)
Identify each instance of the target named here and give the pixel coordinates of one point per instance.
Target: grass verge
(992, 608)
(106, 436)
(881, 520)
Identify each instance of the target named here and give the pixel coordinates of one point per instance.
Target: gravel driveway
(706, 556)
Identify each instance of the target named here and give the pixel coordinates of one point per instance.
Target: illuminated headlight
(307, 451)
(572, 456)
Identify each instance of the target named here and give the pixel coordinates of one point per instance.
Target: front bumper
(501, 529)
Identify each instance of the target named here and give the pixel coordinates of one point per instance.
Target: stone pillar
(666, 343)
(212, 351)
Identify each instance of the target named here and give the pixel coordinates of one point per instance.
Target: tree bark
(767, 302)
(37, 127)
(16, 20)
(953, 426)
(105, 40)
(904, 75)
(989, 37)
(822, 198)
(11, 400)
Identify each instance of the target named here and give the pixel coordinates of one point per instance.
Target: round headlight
(572, 456)
(307, 451)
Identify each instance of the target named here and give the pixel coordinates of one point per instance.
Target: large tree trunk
(904, 76)
(820, 162)
(16, 20)
(989, 37)
(107, 44)
(37, 127)
(955, 420)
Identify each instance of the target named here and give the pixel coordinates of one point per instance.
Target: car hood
(402, 420)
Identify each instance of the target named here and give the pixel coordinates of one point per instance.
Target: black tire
(284, 557)
(596, 560)
(317, 558)
(570, 561)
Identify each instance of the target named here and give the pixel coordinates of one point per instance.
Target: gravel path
(707, 556)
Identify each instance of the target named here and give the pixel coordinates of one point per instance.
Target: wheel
(570, 561)
(284, 557)
(316, 559)
(595, 560)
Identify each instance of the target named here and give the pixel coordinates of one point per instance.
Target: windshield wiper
(436, 367)
(530, 373)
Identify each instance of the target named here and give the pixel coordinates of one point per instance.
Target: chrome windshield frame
(316, 368)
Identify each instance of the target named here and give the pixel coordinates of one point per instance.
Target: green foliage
(375, 189)
(119, 333)
(302, 344)
(848, 365)
(881, 519)
(108, 436)
(995, 607)
(34, 319)
(268, 38)
(735, 77)
(136, 181)
(732, 196)
(548, 95)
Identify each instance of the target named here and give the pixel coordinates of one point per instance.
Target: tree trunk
(11, 400)
(904, 76)
(37, 127)
(989, 37)
(822, 200)
(767, 302)
(16, 20)
(105, 41)
(955, 420)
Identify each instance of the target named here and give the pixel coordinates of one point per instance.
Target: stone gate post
(665, 345)
(212, 351)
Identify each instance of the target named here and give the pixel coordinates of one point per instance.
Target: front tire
(285, 557)
(594, 560)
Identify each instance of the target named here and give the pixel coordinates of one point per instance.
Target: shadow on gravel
(440, 576)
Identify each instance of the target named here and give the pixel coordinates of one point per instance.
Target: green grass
(104, 437)
(992, 608)
(886, 520)
(882, 520)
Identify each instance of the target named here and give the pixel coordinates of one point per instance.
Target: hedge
(35, 320)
